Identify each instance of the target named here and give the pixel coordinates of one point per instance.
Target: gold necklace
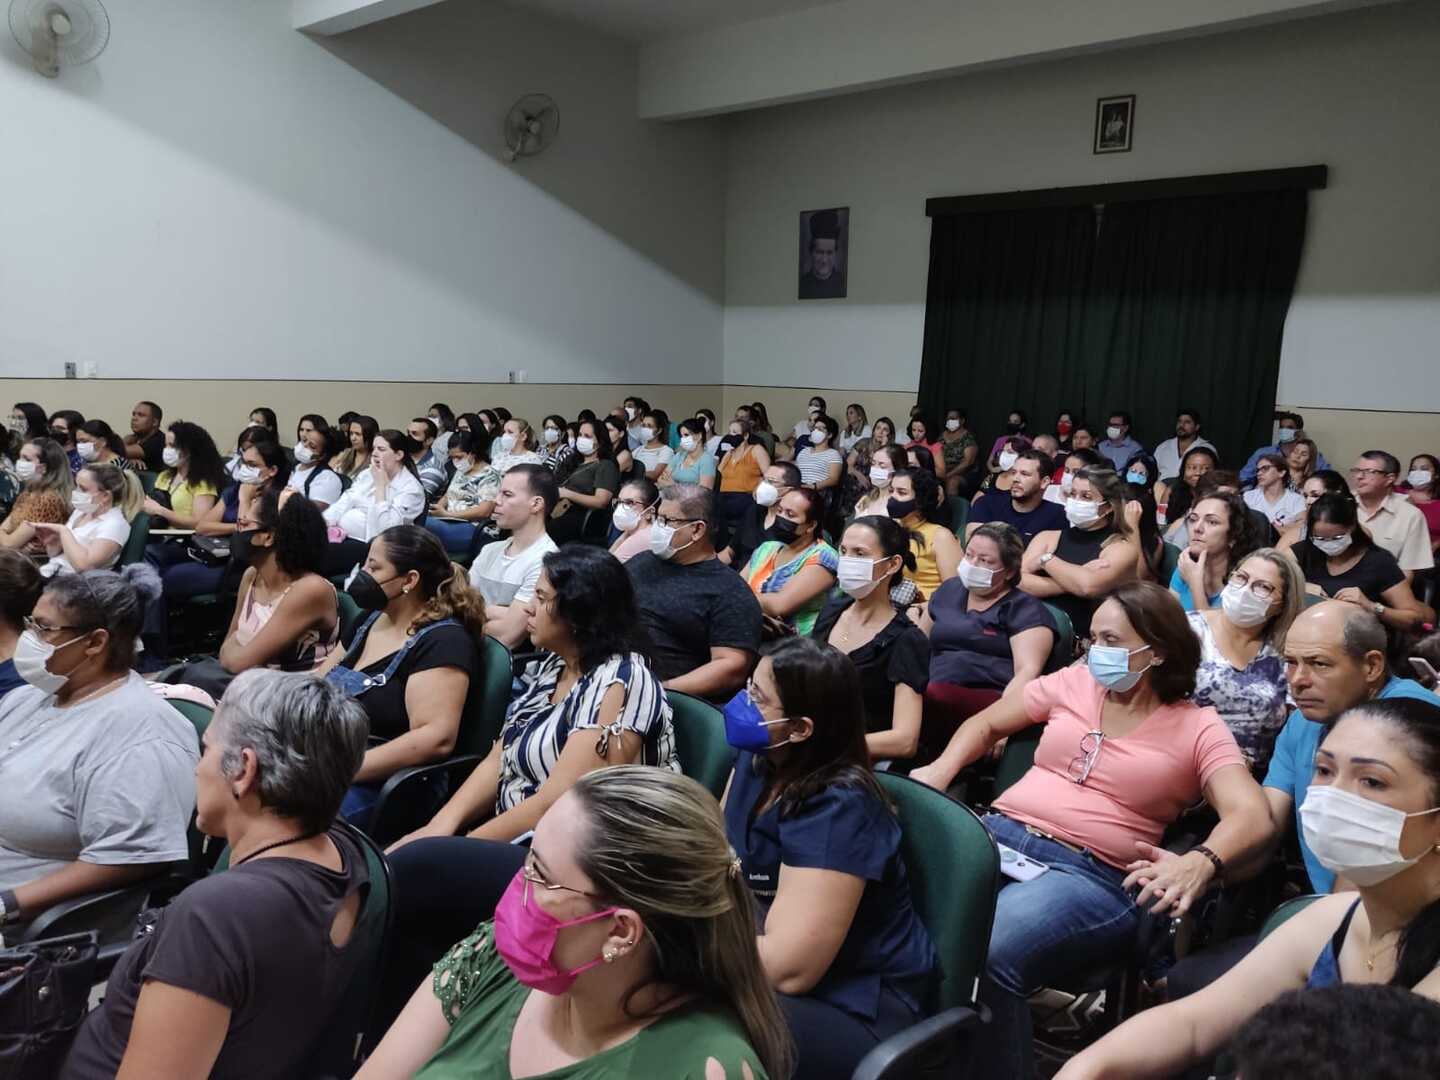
(1370, 960)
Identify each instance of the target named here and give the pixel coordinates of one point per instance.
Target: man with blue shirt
(1024, 506)
(1334, 660)
(1289, 427)
(1118, 446)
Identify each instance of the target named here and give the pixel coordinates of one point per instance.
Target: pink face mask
(525, 939)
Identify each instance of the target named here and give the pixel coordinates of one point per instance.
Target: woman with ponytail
(819, 845)
(105, 501)
(422, 634)
(1372, 816)
(624, 947)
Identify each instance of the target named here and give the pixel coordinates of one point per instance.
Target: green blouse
(481, 1001)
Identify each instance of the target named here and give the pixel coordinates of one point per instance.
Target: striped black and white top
(535, 729)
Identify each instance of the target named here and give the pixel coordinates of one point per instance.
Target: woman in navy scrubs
(820, 847)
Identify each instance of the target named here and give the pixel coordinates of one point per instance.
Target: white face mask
(629, 412)
(31, 656)
(552, 436)
(1007, 460)
(507, 442)
(1242, 607)
(647, 433)
(1355, 837)
(660, 537)
(766, 493)
(26, 470)
(247, 474)
(687, 443)
(1114, 433)
(82, 501)
(975, 577)
(1079, 512)
(1332, 545)
(1419, 477)
(817, 437)
(464, 464)
(1067, 481)
(879, 477)
(585, 445)
(855, 575)
(170, 456)
(625, 518)
(952, 425)
(303, 453)
(89, 451)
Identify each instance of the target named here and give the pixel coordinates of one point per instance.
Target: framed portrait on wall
(1114, 124)
(824, 253)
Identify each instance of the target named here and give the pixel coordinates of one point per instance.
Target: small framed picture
(1114, 124)
(824, 253)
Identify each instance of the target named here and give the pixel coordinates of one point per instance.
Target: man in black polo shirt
(1024, 506)
(700, 619)
(146, 442)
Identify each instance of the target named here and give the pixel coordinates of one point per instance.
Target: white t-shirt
(363, 517)
(505, 579)
(848, 441)
(814, 465)
(502, 462)
(325, 488)
(110, 525)
(660, 456)
(712, 446)
(1167, 456)
(1284, 511)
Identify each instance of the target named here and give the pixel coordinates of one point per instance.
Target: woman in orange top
(743, 462)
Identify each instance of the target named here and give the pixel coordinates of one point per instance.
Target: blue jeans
(1073, 919)
(455, 535)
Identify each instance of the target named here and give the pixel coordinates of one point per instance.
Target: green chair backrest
(200, 717)
(1169, 560)
(1285, 911)
(147, 481)
(350, 614)
(1063, 650)
(959, 514)
(954, 871)
(196, 713)
(134, 549)
(1019, 755)
(479, 732)
(705, 756)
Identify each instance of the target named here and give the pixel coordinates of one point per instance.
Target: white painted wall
(1359, 92)
(219, 195)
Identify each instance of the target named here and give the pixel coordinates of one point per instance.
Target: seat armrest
(456, 769)
(903, 1054)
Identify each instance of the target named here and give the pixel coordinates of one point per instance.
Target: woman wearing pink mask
(569, 980)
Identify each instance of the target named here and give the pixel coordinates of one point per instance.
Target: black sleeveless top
(1078, 547)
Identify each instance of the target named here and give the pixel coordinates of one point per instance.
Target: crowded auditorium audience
(835, 599)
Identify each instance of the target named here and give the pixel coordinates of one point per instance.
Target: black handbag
(44, 995)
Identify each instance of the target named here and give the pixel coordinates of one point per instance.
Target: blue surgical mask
(1110, 667)
(745, 725)
(1136, 477)
(1284, 435)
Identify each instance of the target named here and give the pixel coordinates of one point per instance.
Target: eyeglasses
(1082, 763)
(533, 877)
(41, 628)
(1263, 589)
(1369, 472)
(674, 523)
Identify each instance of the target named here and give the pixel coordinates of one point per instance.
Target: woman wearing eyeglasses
(1241, 673)
(634, 514)
(1124, 753)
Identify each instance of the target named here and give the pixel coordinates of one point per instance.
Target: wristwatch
(1378, 608)
(1046, 557)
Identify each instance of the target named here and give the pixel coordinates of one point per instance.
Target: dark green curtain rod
(1304, 178)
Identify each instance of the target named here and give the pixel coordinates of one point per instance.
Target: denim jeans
(1073, 919)
(455, 535)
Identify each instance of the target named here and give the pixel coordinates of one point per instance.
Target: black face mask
(785, 530)
(367, 593)
(899, 508)
(1014, 429)
(242, 549)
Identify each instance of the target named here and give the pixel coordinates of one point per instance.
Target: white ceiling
(648, 20)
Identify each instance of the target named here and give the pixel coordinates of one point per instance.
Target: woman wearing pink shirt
(1124, 753)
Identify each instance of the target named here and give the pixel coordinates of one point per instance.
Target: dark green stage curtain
(1003, 315)
(1171, 303)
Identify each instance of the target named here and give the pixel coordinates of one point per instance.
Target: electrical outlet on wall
(92, 369)
(70, 369)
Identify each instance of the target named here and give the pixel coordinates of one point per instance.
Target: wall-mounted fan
(530, 125)
(60, 33)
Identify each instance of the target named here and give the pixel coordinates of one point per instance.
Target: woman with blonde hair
(1242, 669)
(44, 470)
(628, 920)
(1302, 458)
(515, 445)
(414, 661)
(105, 501)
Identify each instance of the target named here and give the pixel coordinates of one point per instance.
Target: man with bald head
(1334, 660)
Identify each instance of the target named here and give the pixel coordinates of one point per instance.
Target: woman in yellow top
(193, 477)
(743, 461)
(917, 502)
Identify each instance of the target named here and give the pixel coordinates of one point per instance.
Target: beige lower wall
(224, 406)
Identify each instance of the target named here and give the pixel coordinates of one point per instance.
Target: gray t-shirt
(110, 781)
